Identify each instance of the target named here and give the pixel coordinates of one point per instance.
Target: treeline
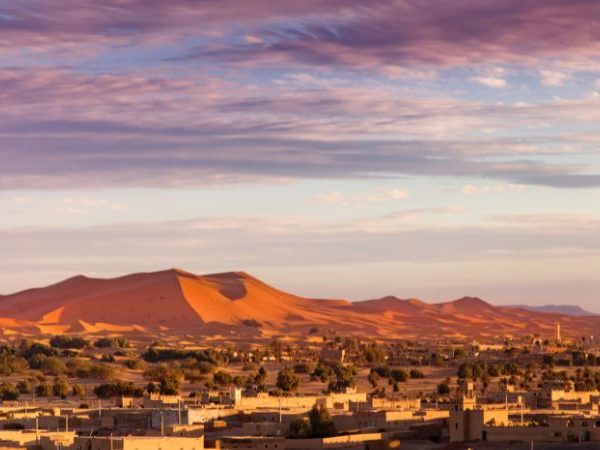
(584, 380)
(64, 341)
(577, 358)
(40, 387)
(47, 360)
(154, 354)
(53, 360)
(394, 376)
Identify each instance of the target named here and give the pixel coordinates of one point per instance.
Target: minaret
(558, 332)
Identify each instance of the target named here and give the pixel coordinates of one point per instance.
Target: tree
(287, 380)
(24, 386)
(8, 391)
(27, 349)
(11, 364)
(470, 370)
(102, 372)
(436, 360)
(107, 357)
(345, 378)
(63, 341)
(277, 349)
(239, 380)
(50, 365)
(321, 372)
(416, 374)
(302, 368)
(61, 387)
(170, 385)
(459, 353)
(443, 388)
(114, 341)
(261, 376)
(122, 388)
(222, 378)
(374, 354)
(43, 389)
(136, 364)
(321, 424)
(151, 388)
(382, 371)
(78, 390)
(398, 375)
(373, 378)
(299, 429)
(493, 370)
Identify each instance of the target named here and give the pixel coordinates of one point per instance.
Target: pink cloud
(378, 195)
(430, 33)
(322, 32)
(64, 128)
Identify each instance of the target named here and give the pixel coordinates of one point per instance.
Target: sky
(333, 148)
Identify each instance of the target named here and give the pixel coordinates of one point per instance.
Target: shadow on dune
(231, 285)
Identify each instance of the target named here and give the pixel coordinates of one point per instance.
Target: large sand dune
(236, 303)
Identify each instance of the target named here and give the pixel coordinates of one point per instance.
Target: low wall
(345, 442)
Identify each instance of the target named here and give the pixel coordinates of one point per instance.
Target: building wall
(383, 403)
(525, 434)
(138, 443)
(185, 430)
(337, 401)
(250, 443)
(265, 429)
(190, 416)
(343, 442)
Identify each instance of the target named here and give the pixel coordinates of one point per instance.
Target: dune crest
(237, 304)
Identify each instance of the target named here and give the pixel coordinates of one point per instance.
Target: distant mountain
(236, 305)
(569, 310)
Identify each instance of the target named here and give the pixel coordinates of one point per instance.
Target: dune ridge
(236, 303)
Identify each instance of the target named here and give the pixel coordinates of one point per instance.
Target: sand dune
(234, 303)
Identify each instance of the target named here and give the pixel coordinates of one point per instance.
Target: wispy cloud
(490, 81)
(255, 241)
(137, 130)
(553, 77)
(486, 97)
(375, 196)
(323, 32)
(64, 205)
(426, 33)
(486, 189)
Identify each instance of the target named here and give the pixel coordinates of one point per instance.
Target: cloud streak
(428, 33)
(65, 129)
(257, 242)
(390, 33)
(379, 195)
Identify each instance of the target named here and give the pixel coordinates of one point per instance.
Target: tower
(558, 332)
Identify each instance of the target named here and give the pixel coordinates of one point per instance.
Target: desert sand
(179, 302)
